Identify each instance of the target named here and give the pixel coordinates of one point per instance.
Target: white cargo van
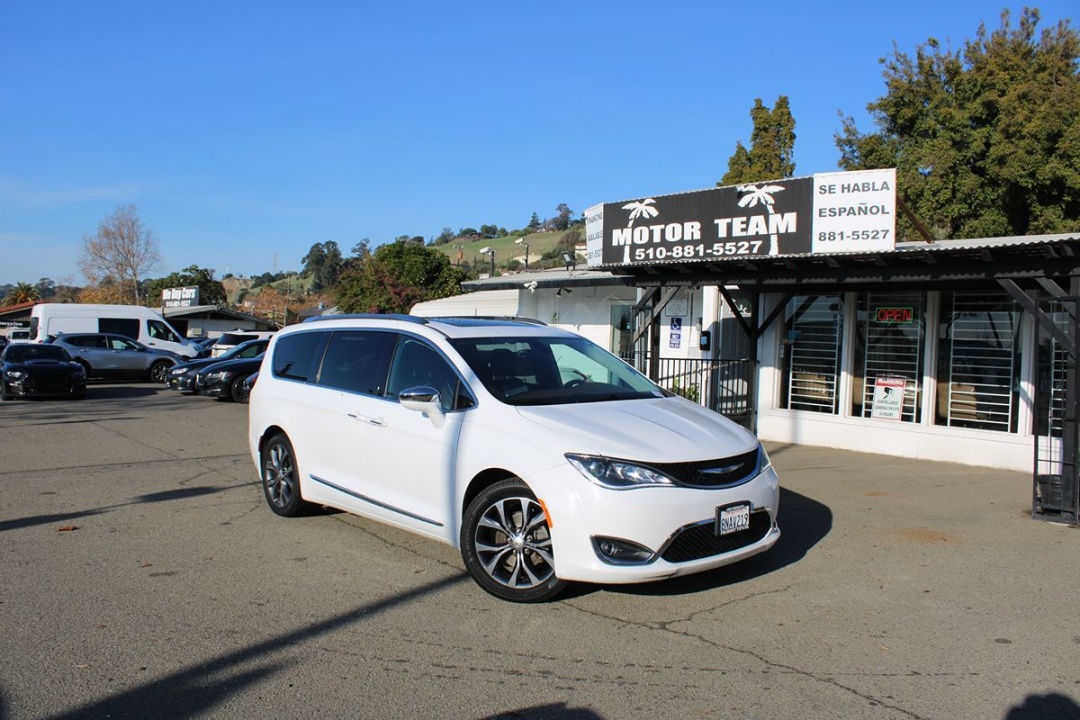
(133, 321)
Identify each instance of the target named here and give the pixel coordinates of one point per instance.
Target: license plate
(732, 519)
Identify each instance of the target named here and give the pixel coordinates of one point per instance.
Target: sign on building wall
(824, 213)
(180, 297)
(888, 398)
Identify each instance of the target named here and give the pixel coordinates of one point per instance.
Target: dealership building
(789, 306)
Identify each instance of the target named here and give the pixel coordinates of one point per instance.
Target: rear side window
(87, 341)
(297, 356)
(357, 361)
(128, 327)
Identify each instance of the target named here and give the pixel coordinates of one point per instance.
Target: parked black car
(226, 379)
(105, 355)
(36, 370)
(182, 377)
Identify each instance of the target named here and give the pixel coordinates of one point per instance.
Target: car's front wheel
(506, 544)
(159, 371)
(237, 390)
(281, 477)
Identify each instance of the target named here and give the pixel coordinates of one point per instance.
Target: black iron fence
(725, 386)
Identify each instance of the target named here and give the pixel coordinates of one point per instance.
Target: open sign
(895, 315)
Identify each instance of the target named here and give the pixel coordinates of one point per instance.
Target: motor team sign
(825, 213)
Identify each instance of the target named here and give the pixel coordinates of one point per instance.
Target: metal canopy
(923, 265)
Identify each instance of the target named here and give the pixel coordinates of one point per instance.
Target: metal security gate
(1057, 470)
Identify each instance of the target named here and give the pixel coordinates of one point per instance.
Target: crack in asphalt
(665, 627)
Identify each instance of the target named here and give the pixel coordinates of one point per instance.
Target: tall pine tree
(772, 146)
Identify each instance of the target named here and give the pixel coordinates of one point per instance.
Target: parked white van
(133, 321)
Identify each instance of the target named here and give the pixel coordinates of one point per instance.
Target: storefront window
(622, 331)
(890, 344)
(811, 353)
(978, 361)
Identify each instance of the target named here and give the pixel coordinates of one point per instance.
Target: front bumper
(215, 389)
(37, 387)
(675, 523)
(182, 383)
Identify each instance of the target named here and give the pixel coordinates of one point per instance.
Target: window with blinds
(890, 344)
(811, 353)
(978, 361)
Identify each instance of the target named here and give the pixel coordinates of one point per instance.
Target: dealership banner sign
(179, 297)
(824, 213)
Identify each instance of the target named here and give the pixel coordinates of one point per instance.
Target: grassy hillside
(505, 248)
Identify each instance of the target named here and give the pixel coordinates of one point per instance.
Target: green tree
(323, 264)
(447, 235)
(211, 291)
(562, 220)
(772, 146)
(395, 277)
(22, 293)
(986, 141)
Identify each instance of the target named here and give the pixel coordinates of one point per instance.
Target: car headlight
(218, 375)
(174, 371)
(15, 374)
(617, 474)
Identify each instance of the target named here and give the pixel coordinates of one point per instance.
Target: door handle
(377, 422)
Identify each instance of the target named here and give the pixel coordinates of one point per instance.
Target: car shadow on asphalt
(163, 496)
(200, 689)
(803, 522)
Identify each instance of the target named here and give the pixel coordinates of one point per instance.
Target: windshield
(552, 371)
(24, 353)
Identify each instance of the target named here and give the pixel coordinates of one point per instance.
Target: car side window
(357, 361)
(88, 341)
(251, 351)
(118, 343)
(417, 364)
(297, 356)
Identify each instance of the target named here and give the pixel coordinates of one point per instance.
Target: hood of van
(651, 430)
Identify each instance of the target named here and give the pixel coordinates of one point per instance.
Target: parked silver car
(114, 356)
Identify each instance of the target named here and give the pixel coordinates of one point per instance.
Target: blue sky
(245, 132)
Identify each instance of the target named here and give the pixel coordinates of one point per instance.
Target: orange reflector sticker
(547, 515)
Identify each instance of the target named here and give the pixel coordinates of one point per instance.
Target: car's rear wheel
(237, 391)
(506, 544)
(159, 371)
(281, 477)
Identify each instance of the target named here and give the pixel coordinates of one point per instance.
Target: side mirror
(422, 398)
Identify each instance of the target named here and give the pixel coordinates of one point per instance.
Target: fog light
(621, 552)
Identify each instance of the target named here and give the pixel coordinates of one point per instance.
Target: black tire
(506, 544)
(236, 389)
(281, 477)
(3, 394)
(159, 371)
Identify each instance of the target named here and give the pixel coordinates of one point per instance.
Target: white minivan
(133, 321)
(541, 456)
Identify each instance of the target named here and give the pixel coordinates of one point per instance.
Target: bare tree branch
(123, 251)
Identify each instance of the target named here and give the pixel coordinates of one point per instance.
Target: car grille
(723, 472)
(695, 542)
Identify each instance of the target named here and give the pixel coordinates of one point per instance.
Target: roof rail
(501, 318)
(370, 316)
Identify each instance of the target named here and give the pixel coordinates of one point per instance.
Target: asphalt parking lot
(141, 575)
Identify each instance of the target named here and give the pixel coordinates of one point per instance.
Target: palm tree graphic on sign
(643, 208)
(752, 195)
